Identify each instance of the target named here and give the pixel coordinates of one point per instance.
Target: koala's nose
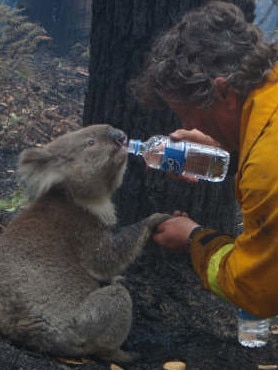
(118, 136)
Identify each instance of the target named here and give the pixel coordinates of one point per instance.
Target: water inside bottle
(209, 163)
(154, 158)
(253, 333)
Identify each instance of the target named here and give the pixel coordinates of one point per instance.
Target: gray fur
(55, 255)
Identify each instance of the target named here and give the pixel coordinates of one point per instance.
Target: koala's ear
(36, 168)
(34, 157)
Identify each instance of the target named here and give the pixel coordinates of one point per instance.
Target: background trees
(67, 21)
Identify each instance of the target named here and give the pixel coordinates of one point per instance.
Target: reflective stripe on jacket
(245, 270)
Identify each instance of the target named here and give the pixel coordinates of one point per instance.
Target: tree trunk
(121, 35)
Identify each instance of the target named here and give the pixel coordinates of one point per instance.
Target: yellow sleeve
(207, 249)
(232, 271)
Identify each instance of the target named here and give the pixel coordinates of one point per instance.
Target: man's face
(221, 121)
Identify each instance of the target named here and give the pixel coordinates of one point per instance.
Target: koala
(59, 258)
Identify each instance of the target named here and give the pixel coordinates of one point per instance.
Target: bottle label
(174, 157)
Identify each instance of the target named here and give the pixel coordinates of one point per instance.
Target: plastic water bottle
(183, 158)
(252, 331)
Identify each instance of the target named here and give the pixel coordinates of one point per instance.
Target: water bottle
(182, 158)
(252, 331)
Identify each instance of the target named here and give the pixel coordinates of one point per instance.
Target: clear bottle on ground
(253, 332)
(182, 158)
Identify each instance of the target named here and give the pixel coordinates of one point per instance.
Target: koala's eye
(91, 142)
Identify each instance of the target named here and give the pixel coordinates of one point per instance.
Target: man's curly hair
(210, 41)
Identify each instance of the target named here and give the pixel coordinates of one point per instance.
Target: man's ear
(225, 92)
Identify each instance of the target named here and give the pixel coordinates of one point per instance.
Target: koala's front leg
(127, 242)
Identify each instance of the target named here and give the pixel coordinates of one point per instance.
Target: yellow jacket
(245, 270)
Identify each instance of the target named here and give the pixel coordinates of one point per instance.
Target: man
(218, 74)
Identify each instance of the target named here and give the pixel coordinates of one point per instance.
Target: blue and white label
(174, 157)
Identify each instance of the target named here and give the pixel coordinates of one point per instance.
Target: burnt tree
(121, 35)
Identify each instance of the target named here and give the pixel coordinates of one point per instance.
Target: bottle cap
(133, 146)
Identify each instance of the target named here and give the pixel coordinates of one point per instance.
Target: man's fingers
(178, 213)
(193, 135)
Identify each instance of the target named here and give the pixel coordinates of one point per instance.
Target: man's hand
(193, 135)
(173, 234)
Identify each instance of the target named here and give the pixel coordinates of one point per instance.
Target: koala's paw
(157, 218)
